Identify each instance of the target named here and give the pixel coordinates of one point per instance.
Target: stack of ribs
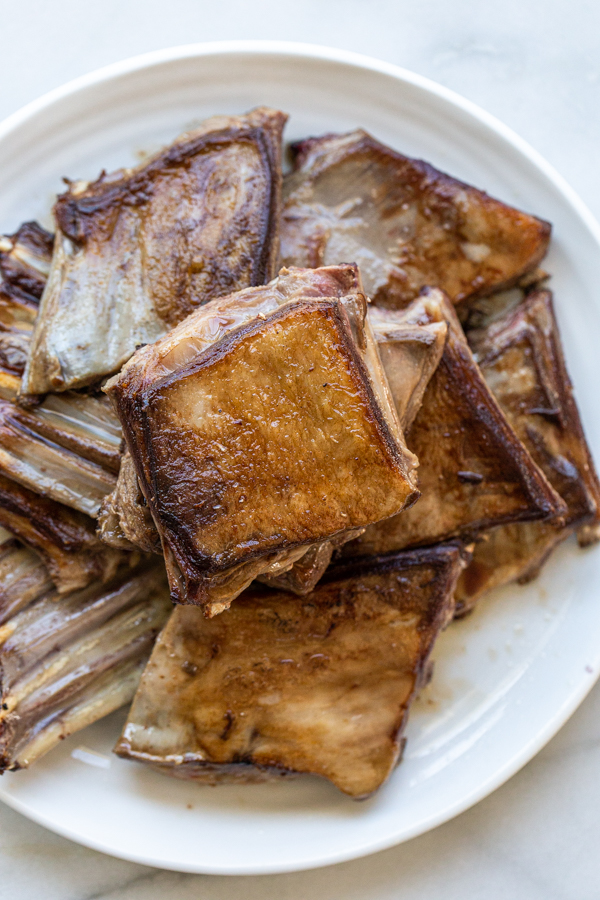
(322, 415)
(67, 661)
(132, 254)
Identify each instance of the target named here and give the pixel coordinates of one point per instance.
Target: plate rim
(357, 60)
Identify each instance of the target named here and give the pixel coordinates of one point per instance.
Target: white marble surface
(535, 64)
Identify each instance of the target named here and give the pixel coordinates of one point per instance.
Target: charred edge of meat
(331, 309)
(435, 555)
(339, 597)
(448, 197)
(548, 504)
(25, 258)
(533, 321)
(74, 214)
(453, 555)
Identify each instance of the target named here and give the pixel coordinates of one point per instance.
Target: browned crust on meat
(458, 413)
(415, 585)
(547, 418)
(447, 559)
(39, 242)
(135, 410)
(521, 357)
(450, 215)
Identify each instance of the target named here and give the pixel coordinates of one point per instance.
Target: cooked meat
(25, 258)
(125, 520)
(522, 362)
(29, 455)
(68, 446)
(123, 517)
(474, 472)
(24, 262)
(505, 554)
(410, 353)
(23, 578)
(64, 665)
(17, 317)
(10, 384)
(260, 426)
(83, 423)
(278, 685)
(521, 358)
(138, 250)
(405, 224)
(416, 349)
(305, 574)
(64, 538)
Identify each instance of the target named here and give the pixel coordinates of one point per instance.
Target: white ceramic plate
(507, 677)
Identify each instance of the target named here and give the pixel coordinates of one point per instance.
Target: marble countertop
(534, 64)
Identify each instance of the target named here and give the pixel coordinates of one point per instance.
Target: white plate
(506, 678)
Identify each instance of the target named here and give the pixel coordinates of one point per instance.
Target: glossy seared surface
(405, 224)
